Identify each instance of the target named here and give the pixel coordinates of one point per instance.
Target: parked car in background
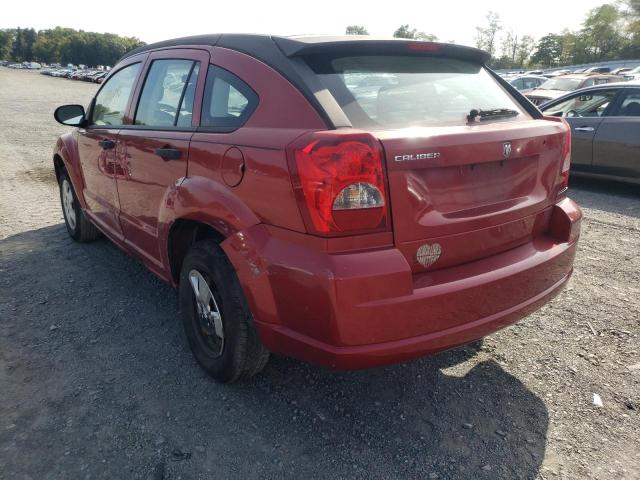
(620, 71)
(558, 86)
(633, 74)
(527, 82)
(556, 73)
(324, 227)
(605, 124)
(598, 70)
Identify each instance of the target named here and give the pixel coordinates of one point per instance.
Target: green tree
(523, 50)
(65, 45)
(548, 51)
(601, 32)
(413, 34)
(631, 47)
(404, 32)
(6, 44)
(486, 36)
(356, 30)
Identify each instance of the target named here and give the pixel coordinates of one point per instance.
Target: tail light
(339, 182)
(566, 159)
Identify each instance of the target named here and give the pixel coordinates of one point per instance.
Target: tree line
(64, 45)
(609, 32)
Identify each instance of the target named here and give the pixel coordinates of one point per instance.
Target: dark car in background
(558, 86)
(605, 126)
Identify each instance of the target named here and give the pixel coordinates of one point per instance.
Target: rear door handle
(168, 153)
(584, 129)
(107, 144)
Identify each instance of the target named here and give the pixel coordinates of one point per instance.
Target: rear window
(404, 91)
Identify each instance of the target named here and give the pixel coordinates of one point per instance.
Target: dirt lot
(96, 380)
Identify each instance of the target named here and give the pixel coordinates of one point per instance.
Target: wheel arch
(182, 234)
(65, 158)
(198, 208)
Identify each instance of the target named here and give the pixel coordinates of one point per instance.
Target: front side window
(167, 96)
(111, 102)
(228, 101)
(583, 105)
(398, 91)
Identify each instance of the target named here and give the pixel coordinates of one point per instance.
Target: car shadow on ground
(605, 195)
(97, 380)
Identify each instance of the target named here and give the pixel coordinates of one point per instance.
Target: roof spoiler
(363, 45)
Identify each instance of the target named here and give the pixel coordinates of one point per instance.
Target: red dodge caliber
(346, 201)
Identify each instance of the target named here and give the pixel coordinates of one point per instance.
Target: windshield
(635, 70)
(403, 91)
(564, 84)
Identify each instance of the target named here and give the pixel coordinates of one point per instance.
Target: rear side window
(228, 101)
(403, 91)
(630, 106)
(111, 102)
(167, 96)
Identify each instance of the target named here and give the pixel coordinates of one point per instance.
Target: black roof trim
(176, 42)
(255, 45)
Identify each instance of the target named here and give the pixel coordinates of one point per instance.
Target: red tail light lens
(566, 159)
(420, 46)
(339, 181)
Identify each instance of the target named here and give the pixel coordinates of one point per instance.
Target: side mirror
(71, 115)
(585, 98)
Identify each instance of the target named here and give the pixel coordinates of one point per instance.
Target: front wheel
(217, 320)
(78, 225)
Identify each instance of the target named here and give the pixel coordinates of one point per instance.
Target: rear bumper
(358, 310)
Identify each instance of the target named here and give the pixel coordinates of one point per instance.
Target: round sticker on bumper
(428, 254)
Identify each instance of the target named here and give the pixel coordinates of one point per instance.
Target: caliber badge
(428, 254)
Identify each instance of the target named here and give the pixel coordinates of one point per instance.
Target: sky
(161, 19)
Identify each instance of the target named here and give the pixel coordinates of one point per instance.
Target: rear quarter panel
(282, 115)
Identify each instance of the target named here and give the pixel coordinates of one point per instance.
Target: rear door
(98, 147)
(156, 146)
(617, 141)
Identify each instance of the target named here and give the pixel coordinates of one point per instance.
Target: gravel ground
(96, 380)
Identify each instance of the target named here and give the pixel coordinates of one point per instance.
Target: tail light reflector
(563, 179)
(339, 181)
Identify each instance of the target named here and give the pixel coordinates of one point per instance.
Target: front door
(156, 146)
(584, 112)
(99, 149)
(616, 149)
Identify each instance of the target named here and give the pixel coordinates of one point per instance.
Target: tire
(78, 225)
(238, 352)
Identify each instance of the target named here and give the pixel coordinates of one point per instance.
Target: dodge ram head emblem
(428, 254)
(506, 149)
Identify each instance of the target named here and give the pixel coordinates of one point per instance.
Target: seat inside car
(632, 109)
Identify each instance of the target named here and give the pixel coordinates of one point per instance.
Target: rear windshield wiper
(482, 115)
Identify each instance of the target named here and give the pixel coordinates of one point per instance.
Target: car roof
(262, 46)
(594, 88)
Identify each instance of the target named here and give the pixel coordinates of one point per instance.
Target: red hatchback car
(346, 201)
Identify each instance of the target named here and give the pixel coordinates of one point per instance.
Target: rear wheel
(78, 225)
(217, 320)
